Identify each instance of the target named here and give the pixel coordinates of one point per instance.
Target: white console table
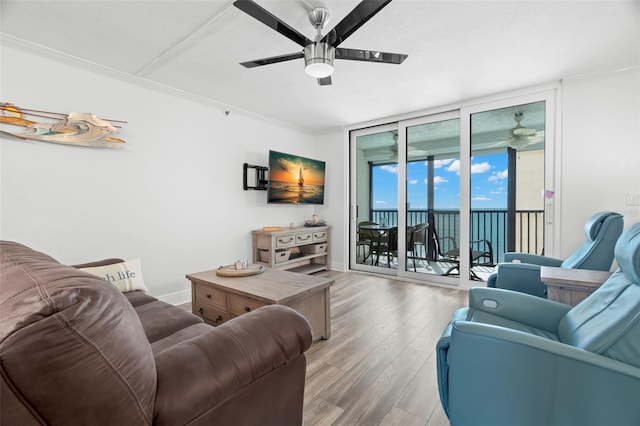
(299, 249)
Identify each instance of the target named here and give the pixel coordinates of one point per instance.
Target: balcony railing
(485, 224)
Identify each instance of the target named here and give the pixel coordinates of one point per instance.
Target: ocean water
(292, 193)
(490, 224)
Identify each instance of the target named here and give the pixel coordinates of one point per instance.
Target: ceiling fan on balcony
(521, 136)
(391, 152)
(320, 53)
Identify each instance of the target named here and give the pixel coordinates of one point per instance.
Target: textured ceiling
(457, 50)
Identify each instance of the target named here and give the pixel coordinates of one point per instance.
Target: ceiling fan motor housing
(318, 59)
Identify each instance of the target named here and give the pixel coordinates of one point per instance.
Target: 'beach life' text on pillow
(126, 276)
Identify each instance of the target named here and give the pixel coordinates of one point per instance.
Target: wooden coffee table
(217, 299)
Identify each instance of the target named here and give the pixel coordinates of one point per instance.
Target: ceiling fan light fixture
(318, 69)
(318, 59)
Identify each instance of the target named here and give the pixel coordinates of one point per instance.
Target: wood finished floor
(379, 367)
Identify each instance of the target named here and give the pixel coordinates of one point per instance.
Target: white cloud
(441, 163)
(496, 176)
(390, 169)
(481, 198)
(480, 167)
(454, 167)
(412, 181)
(380, 202)
(437, 180)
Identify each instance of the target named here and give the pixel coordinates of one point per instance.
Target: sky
(488, 184)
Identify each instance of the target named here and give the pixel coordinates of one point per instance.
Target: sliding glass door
(431, 178)
(374, 195)
(507, 183)
(441, 198)
(510, 193)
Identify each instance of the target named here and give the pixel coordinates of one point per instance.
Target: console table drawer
(304, 238)
(286, 241)
(239, 305)
(319, 236)
(211, 314)
(207, 295)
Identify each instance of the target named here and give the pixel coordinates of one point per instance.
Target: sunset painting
(295, 180)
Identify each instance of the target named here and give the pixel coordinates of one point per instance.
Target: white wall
(332, 147)
(172, 197)
(600, 161)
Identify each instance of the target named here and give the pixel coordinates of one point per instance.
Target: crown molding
(602, 72)
(38, 49)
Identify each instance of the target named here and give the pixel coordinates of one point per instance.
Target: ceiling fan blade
(258, 12)
(370, 56)
(354, 20)
(326, 81)
(272, 60)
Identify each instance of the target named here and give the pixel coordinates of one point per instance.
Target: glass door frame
(549, 93)
(402, 271)
(550, 155)
(353, 206)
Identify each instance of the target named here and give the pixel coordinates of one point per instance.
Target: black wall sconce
(260, 175)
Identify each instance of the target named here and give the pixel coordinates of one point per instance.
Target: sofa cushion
(179, 336)
(70, 345)
(138, 298)
(160, 319)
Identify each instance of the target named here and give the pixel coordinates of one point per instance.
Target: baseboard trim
(337, 266)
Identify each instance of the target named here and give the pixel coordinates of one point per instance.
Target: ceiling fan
(320, 53)
(522, 136)
(391, 152)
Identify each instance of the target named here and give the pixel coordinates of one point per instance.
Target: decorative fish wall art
(76, 128)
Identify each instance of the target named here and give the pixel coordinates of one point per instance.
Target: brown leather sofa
(75, 350)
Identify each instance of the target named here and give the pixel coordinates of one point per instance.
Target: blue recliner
(515, 359)
(521, 271)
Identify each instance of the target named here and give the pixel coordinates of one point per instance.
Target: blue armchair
(512, 358)
(521, 271)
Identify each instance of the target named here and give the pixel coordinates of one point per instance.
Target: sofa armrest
(200, 374)
(520, 307)
(523, 277)
(536, 259)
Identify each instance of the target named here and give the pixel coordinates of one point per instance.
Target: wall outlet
(633, 199)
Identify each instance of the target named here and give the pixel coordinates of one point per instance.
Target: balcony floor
(431, 267)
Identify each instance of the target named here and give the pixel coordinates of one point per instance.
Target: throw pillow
(126, 276)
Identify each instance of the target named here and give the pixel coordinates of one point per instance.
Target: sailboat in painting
(300, 178)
